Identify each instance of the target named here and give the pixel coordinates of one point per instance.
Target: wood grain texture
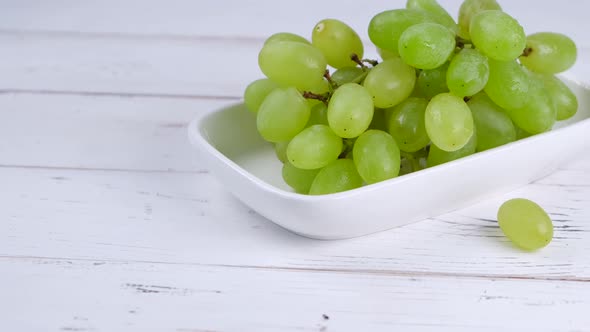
(96, 295)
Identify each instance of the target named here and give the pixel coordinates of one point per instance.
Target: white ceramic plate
(230, 146)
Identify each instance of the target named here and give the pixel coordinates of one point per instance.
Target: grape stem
(462, 42)
(527, 51)
(310, 95)
(354, 57)
(371, 62)
(328, 77)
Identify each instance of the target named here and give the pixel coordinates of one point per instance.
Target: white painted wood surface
(108, 221)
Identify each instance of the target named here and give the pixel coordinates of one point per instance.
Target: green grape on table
(350, 110)
(376, 156)
(508, 84)
(348, 75)
(468, 73)
(494, 127)
(282, 115)
(549, 53)
(313, 148)
(433, 7)
(318, 115)
(386, 28)
(449, 122)
(341, 175)
(286, 36)
(497, 35)
(469, 9)
(426, 45)
(337, 41)
(564, 100)
(437, 156)
(407, 125)
(433, 82)
(390, 82)
(525, 223)
(293, 64)
(538, 114)
(256, 92)
(281, 151)
(298, 179)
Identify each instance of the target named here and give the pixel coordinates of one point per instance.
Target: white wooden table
(108, 222)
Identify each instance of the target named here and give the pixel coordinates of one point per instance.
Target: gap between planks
(388, 273)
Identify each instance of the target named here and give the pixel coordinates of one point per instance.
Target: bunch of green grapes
(443, 90)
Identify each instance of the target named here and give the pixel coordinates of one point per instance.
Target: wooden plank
(231, 18)
(95, 295)
(190, 218)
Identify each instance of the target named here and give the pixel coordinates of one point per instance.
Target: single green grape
(337, 41)
(433, 7)
(256, 92)
(549, 53)
(390, 82)
(564, 100)
(468, 73)
(437, 156)
(386, 28)
(525, 223)
(281, 151)
(286, 36)
(347, 75)
(426, 45)
(341, 175)
(293, 64)
(449, 122)
(407, 125)
(433, 82)
(313, 148)
(376, 156)
(508, 84)
(299, 179)
(385, 54)
(318, 115)
(282, 115)
(350, 110)
(469, 9)
(538, 114)
(493, 126)
(380, 120)
(497, 35)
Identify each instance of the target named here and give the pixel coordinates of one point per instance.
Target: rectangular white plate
(231, 147)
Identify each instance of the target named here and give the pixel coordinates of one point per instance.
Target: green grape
(341, 175)
(549, 53)
(426, 45)
(497, 35)
(525, 223)
(493, 126)
(521, 134)
(256, 92)
(282, 115)
(293, 64)
(299, 179)
(433, 7)
(437, 156)
(449, 122)
(338, 42)
(386, 28)
(380, 120)
(286, 36)
(390, 82)
(385, 54)
(315, 147)
(468, 73)
(281, 150)
(433, 82)
(407, 125)
(350, 110)
(538, 114)
(469, 9)
(319, 115)
(508, 84)
(376, 156)
(564, 100)
(347, 75)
